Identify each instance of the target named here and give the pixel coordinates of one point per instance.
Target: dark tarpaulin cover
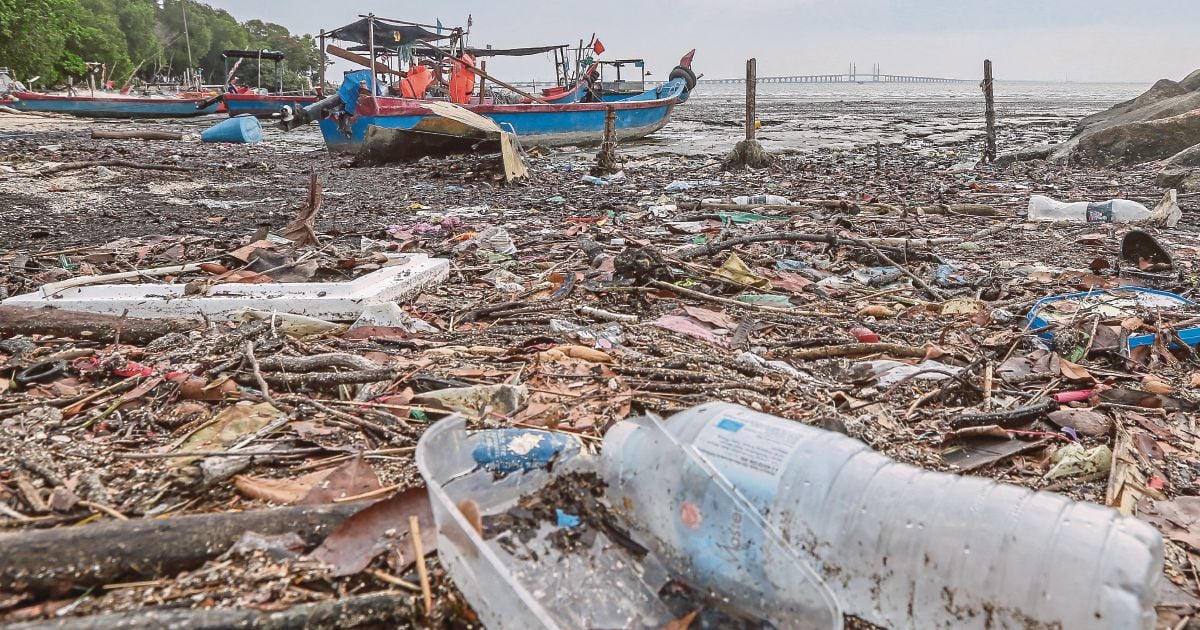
(386, 35)
(272, 55)
(511, 52)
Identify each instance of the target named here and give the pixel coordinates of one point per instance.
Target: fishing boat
(257, 101)
(113, 106)
(365, 101)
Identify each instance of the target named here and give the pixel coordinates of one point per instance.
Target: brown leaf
(470, 511)
(878, 311)
(1084, 421)
(352, 478)
(1073, 371)
(1156, 385)
(375, 529)
(716, 318)
(285, 491)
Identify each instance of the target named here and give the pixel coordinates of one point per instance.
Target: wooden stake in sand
(749, 153)
(606, 159)
(989, 104)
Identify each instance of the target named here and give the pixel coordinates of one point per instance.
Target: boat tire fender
(686, 74)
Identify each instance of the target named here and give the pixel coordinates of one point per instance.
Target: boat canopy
(512, 52)
(386, 34)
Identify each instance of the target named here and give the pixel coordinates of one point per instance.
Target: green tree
(34, 36)
(300, 54)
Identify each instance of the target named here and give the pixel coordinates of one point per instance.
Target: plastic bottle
(595, 181)
(900, 546)
(1112, 211)
(762, 200)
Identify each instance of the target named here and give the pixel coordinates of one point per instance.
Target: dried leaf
(1073, 371)
(716, 318)
(682, 623)
(690, 327)
(375, 529)
(352, 478)
(878, 311)
(301, 230)
(1156, 385)
(1084, 421)
(285, 491)
(737, 272)
(229, 425)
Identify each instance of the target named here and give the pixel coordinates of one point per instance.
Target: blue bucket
(239, 129)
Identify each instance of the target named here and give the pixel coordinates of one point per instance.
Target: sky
(1050, 40)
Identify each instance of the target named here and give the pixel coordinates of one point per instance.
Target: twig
(388, 578)
(852, 349)
(720, 300)
(74, 166)
(414, 533)
(279, 453)
(372, 494)
(355, 420)
(921, 283)
(599, 313)
(100, 507)
(258, 375)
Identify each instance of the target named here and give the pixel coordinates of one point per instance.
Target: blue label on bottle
(730, 425)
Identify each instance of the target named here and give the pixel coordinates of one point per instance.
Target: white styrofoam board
(406, 275)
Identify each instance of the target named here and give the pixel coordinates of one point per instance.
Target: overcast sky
(1077, 40)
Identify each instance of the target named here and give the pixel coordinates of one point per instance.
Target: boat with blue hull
(534, 123)
(113, 107)
(263, 105)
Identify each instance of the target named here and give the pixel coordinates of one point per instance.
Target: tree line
(56, 39)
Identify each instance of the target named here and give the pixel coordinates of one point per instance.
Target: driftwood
(103, 134)
(689, 252)
(47, 560)
(74, 166)
(373, 610)
(19, 320)
(800, 205)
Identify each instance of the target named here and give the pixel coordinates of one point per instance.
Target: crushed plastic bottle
(595, 181)
(1166, 213)
(899, 546)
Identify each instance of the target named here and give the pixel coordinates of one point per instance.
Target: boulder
(1191, 82)
(1136, 142)
(1159, 92)
(1184, 180)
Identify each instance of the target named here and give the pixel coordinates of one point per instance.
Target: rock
(1138, 142)
(1187, 158)
(1191, 82)
(1183, 180)
(1036, 152)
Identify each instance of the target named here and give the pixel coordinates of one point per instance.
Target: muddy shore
(492, 320)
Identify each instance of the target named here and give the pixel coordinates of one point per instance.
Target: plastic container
(243, 129)
(1121, 302)
(607, 585)
(1043, 208)
(595, 181)
(900, 546)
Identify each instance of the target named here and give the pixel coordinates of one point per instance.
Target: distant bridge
(876, 76)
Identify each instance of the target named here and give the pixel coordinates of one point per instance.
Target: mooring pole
(751, 84)
(989, 103)
(321, 84)
(371, 45)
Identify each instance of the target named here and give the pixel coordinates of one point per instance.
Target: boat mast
(186, 37)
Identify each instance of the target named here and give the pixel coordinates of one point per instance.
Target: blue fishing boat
(263, 105)
(240, 99)
(551, 124)
(113, 107)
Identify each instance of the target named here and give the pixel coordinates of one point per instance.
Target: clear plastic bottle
(900, 546)
(1043, 208)
(762, 200)
(595, 181)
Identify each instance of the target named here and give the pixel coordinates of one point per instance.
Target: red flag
(598, 47)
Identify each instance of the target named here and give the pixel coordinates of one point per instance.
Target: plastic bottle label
(751, 454)
(1100, 212)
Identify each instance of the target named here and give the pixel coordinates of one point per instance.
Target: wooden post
(751, 86)
(371, 45)
(989, 151)
(321, 84)
(606, 159)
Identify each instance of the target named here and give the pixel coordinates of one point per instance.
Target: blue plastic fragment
(1190, 336)
(567, 520)
(505, 451)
